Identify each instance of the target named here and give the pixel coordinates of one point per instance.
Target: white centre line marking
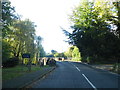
(89, 82)
(78, 69)
(75, 66)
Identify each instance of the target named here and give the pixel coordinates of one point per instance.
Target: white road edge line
(89, 82)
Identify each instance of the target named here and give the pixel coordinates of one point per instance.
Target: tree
(115, 18)
(56, 55)
(23, 37)
(72, 52)
(92, 32)
(8, 16)
(68, 53)
(6, 51)
(76, 54)
(59, 55)
(53, 51)
(42, 51)
(18, 36)
(39, 48)
(38, 40)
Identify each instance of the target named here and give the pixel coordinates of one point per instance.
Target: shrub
(116, 67)
(52, 62)
(11, 62)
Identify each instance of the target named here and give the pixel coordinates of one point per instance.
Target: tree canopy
(73, 53)
(18, 36)
(96, 30)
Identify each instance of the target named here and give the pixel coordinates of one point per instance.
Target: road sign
(26, 56)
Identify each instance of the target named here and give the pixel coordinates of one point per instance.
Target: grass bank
(116, 68)
(9, 73)
(110, 67)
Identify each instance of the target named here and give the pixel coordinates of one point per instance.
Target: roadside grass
(113, 67)
(116, 68)
(9, 73)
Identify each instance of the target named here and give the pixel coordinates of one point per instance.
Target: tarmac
(27, 79)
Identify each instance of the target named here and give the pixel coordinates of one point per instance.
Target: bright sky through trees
(49, 16)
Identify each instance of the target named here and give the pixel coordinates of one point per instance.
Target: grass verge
(10, 73)
(116, 68)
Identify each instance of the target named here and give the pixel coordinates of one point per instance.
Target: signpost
(26, 56)
(29, 63)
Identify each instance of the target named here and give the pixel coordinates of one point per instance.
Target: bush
(116, 67)
(6, 51)
(52, 62)
(11, 62)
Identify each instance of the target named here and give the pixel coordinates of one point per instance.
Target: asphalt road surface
(77, 75)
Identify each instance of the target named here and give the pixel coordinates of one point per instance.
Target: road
(77, 75)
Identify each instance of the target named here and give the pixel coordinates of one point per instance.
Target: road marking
(85, 77)
(89, 82)
(75, 66)
(78, 69)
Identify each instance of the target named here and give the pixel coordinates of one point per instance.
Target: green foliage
(11, 62)
(59, 55)
(6, 51)
(49, 55)
(23, 37)
(39, 50)
(42, 52)
(56, 55)
(10, 73)
(116, 68)
(68, 53)
(93, 31)
(76, 54)
(18, 36)
(8, 16)
(73, 52)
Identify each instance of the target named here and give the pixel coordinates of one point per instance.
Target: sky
(49, 16)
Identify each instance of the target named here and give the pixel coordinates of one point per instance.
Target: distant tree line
(96, 31)
(18, 37)
(72, 53)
